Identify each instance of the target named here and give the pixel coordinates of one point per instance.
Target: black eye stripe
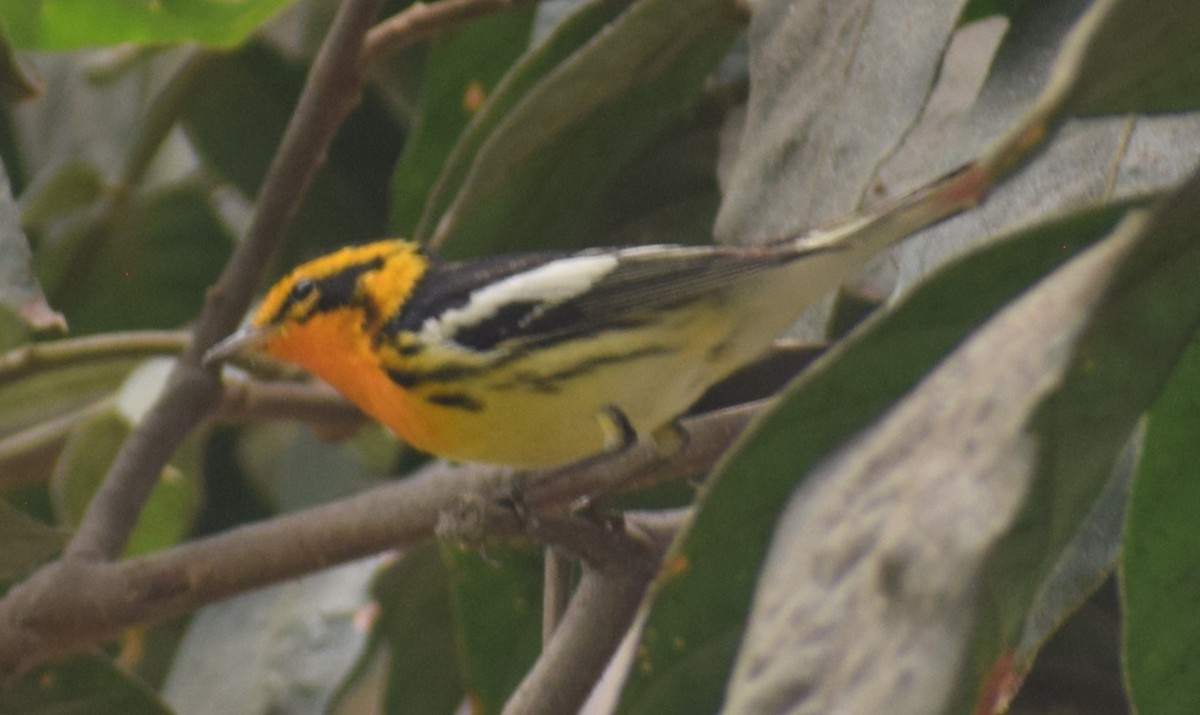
(334, 291)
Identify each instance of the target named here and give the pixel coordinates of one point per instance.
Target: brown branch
(312, 402)
(333, 89)
(600, 614)
(74, 604)
(33, 358)
(595, 622)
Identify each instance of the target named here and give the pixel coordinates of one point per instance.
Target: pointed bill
(240, 343)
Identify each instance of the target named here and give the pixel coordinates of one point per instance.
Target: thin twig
(333, 89)
(33, 358)
(556, 590)
(311, 402)
(419, 21)
(597, 619)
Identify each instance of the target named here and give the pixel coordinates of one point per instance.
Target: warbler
(537, 359)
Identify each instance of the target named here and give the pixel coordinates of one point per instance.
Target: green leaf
(71, 24)
(1130, 56)
(1139, 330)
(89, 452)
(83, 685)
(236, 117)
(536, 177)
(497, 609)
(540, 61)
(20, 291)
(25, 542)
(149, 270)
(1158, 568)
(416, 624)
(47, 395)
(980, 9)
(701, 603)
(461, 70)
(1083, 566)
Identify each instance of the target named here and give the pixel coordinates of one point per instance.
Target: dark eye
(302, 290)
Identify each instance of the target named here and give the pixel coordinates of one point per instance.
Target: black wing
(643, 282)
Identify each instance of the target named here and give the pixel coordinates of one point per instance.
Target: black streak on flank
(456, 400)
(409, 379)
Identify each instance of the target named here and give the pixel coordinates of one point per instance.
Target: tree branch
(419, 21)
(74, 604)
(333, 89)
(33, 358)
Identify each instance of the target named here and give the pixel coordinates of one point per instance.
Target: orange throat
(334, 347)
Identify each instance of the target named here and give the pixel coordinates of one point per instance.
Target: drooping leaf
(535, 179)
(461, 71)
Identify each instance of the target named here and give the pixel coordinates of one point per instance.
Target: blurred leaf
(295, 470)
(979, 9)
(934, 531)
(54, 393)
(834, 89)
(143, 387)
(536, 178)
(1083, 566)
(279, 649)
(416, 624)
(25, 542)
(85, 460)
(1144, 322)
(149, 270)
(1133, 56)
(461, 70)
(497, 601)
(1158, 569)
(71, 24)
(71, 186)
(567, 37)
(15, 84)
(236, 118)
(700, 605)
(83, 685)
(669, 192)
(19, 288)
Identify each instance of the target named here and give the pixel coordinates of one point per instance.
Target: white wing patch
(549, 284)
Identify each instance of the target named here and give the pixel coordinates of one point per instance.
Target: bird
(539, 359)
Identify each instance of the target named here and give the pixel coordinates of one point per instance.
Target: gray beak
(241, 343)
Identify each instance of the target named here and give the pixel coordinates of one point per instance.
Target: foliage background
(134, 170)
